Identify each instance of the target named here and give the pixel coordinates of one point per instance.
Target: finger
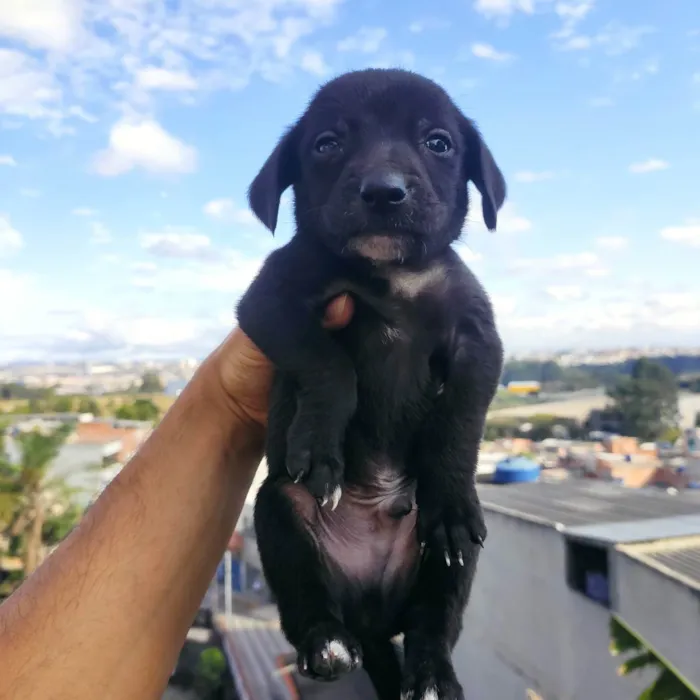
(339, 312)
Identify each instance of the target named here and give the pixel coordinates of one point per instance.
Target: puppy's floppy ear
(481, 169)
(279, 172)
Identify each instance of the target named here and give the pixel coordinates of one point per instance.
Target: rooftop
(677, 558)
(577, 502)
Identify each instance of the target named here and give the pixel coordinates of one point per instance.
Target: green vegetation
(151, 384)
(668, 685)
(541, 426)
(106, 405)
(209, 674)
(140, 409)
(36, 507)
(554, 377)
(647, 402)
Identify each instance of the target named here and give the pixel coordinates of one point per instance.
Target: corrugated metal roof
(678, 558)
(639, 530)
(257, 652)
(585, 502)
(253, 647)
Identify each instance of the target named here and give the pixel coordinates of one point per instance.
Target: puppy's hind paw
(435, 680)
(328, 652)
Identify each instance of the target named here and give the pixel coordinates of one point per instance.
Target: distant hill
(553, 376)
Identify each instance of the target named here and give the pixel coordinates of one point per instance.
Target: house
(563, 559)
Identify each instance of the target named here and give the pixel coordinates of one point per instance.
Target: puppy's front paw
(433, 680)
(318, 463)
(453, 534)
(328, 652)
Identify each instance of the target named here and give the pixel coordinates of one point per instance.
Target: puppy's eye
(326, 143)
(439, 142)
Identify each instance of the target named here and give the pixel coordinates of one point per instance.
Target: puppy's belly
(371, 537)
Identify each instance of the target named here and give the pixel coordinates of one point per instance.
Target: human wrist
(207, 393)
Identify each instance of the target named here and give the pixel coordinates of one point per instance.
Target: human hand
(244, 374)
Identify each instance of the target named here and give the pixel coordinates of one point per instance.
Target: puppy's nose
(383, 190)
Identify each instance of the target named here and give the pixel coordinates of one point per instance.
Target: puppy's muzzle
(383, 191)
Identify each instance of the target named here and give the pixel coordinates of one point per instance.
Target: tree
(639, 657)
(647, 400)
(63, 404)
(697, 419)
(33, 496)
(151, 383)
(89, 405)
(140, 409)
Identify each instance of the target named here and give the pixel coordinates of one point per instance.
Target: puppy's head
(379, 163)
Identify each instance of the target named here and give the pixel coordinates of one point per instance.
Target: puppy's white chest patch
(410, 283)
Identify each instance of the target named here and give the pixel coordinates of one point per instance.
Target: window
(587, 571)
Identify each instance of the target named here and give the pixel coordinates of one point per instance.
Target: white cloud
(26, 88)
(124, 53)
(648, 166)
(563, 262)
(144, 143)
(226, 210)
(565, 292)
(489, 53)
(617, 38)
(612, 242)
(504, 8)
(10, 238)
(467, 254)
(84, 211)
(509, 220)
(178, 243)
(312, 62)
(99, 233)
(529, 176)
(7, 160)
(367, 40)
(427, 24)
(614, 38)
(601, 102)
(153, 78)
(687, 234)
(42, 24)
(576, 43)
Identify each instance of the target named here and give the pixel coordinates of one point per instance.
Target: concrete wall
(526, 629)
(663, 611)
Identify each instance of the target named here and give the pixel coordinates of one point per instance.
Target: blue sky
(130, 129)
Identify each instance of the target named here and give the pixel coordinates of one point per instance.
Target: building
(561, 560)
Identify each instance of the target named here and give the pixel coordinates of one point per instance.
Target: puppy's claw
(460, 558)
(298, 477)
(448, 561)
(335, 497)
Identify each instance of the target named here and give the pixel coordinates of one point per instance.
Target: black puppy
(369, 523)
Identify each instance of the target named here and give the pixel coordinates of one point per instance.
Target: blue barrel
(516, 470)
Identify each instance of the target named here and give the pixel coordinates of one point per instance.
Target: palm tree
(667, 686)
(30, 491)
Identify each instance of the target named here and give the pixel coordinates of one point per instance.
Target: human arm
(106, 614)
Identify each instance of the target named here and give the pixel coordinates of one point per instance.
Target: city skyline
(129, 132)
